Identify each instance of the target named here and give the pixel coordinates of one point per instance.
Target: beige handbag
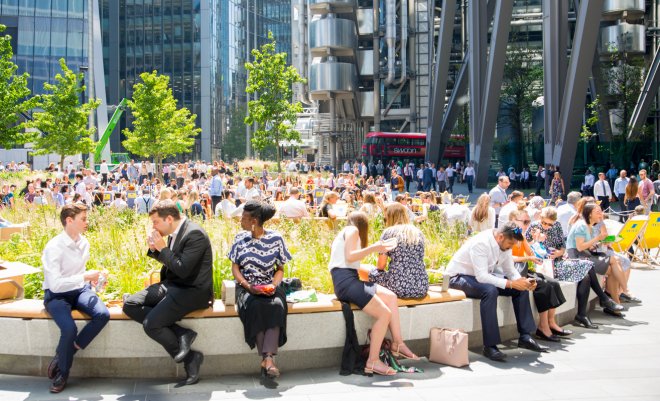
(449, 347)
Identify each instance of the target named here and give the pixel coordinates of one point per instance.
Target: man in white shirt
(468, 176)
(119, 203)
(145, 203)
(588, 184)
(567, 210)
(472, 271)
(620, 191)
(498, 196)
(451, 176)
(227, 206)
(293, 207)
(68, 285)
(248, 191)
(516, 196)
(104, 170)
(346, 168)
(602, 191)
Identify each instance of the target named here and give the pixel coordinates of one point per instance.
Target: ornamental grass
(118, 245)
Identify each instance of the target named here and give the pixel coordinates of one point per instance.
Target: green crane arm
(108, 130)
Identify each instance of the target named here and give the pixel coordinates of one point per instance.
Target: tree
(522, 84)
(13, 96)
(63, 121)
(275, 116)
(159, 128)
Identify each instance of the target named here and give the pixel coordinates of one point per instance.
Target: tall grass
(118, 244)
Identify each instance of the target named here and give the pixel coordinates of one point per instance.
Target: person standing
(216, 187)
(524, 178)
(645, 190)
(68, 286)
(408, 175)
(602, 191)
(186, 284)
(104, 170)
(498, 196)
(540, 180)
(471, 270)
(620, 192)
(441, 179)
(468, 176)
(588, 184)
(656, 188)
(451, 176)
(611, 175)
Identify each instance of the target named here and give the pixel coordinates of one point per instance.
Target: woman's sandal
(398, 354)
(271, 371)
(371, 370)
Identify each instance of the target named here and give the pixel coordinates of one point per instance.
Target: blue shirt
(579, 229)
(215, 189)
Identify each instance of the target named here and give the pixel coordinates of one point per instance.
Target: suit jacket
(187, 270)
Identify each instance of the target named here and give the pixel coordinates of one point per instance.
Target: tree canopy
(160, 129)
(14, 95)
(271, 80)
(64, 120)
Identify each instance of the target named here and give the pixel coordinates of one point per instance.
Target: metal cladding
(618, 6)
(333, 76)
(623, 37)
(334, 36)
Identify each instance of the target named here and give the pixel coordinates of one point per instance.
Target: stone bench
(316, 335)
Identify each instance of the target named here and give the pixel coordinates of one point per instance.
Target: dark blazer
(187, 270)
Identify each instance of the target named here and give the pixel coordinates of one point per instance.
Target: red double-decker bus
(410, 146)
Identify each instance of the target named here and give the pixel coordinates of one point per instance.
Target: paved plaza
(620, 361)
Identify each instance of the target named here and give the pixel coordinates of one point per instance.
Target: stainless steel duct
(404, 41)
(390, 38)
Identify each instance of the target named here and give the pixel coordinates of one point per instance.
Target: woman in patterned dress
(406, 275)
(258, 257)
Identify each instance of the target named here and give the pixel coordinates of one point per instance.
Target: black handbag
(291, 284)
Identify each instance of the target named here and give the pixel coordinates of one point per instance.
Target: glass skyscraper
(43, 31)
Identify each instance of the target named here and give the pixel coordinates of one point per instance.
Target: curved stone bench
(316, 334)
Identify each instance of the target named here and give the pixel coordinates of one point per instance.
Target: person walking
(468, 176)
(620, 193)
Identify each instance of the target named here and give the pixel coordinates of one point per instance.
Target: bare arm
(352, 250)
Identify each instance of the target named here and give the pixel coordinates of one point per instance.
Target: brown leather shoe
(58, 384)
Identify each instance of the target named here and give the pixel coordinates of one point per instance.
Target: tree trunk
(61, 163)
(158, 161)
(277, 154)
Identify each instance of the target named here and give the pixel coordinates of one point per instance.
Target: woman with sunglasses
(548, 295)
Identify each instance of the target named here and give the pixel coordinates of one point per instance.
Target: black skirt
(259, 313)
(349, 288)
(548, 294)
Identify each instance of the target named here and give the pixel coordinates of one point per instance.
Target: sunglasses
(524, 222)
(546, 224)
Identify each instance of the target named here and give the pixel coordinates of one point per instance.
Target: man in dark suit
(186, 284)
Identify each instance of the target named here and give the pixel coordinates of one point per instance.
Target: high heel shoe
(398, 354)
(271, 372)
(585, 322)
(371, 370)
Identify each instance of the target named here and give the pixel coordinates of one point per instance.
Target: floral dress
(572, 270)
(556, 190)
(406, 275)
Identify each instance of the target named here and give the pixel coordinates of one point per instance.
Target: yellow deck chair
(650, 240)
(630, 232)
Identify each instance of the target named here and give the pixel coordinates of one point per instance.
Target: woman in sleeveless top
(348, 249)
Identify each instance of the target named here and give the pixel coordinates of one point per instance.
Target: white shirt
(469, 171)
(104, 168)
(602, 188)
(225, 208)
(487, 224)
(119, 203)
(176, 232)
(479, 257)
(64, 263)
(589, 180)
(450, 172)
(505, 212)
(338, 251)
(293, 208)
(564, 214)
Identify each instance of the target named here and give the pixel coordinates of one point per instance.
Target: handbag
(600, 260)
(546, 268)
(449, 347)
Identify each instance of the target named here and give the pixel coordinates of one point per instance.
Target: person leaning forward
(472, 271)
(186, 285)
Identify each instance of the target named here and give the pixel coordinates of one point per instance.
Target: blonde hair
(193, 197)
(396, 215)
(549, 213)
(165, 193)
(480, 211)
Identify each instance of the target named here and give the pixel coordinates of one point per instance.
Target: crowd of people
(514, 240)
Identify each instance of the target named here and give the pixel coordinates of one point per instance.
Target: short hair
(71, 210)
(259, 210)
(399, 198)
(573, 197)
(294, 191)
(165, 208)
(516, 194)
(502, 178)
(549, 213)
(510, 230)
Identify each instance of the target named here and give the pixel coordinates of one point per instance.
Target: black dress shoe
(53, 368)
(192, 368)
(612, 312)
(494, 354)
(627, 298)
(185, 342)
(609, 303)
(58, 384)
(531, 345)
(562, 332)
(585, 322)
(552, 338)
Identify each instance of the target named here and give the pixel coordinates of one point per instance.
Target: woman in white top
(483, 215)
(348, 249)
